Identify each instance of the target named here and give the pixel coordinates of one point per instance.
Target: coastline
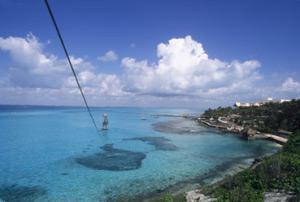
(191, 189)
(213, 176)
(247, 133)
(200, 195)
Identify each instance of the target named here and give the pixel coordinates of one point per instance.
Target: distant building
(276, 101)
(239, 104)
(257, 104)
(284, 100)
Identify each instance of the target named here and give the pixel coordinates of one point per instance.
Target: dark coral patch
(160, 143)
(113, 159)
(20, 193)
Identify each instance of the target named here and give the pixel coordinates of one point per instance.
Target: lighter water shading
(40, 148)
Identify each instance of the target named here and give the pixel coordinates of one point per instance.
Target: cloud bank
(37, 73)
(183, 73)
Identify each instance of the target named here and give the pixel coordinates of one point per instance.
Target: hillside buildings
(257, 104)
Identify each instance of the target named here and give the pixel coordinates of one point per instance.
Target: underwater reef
(18, 193)
(160, 143)
(113, 159)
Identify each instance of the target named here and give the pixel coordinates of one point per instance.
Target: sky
(171, 53)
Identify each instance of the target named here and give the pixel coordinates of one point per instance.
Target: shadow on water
(113, 159)
(160, 143)
(18, 193)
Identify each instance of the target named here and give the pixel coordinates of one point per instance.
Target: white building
(284, 100)
(257, 104)
(239, 104)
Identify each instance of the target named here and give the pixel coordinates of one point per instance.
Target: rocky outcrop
(278, 197)
(197, 196)
(249, 133)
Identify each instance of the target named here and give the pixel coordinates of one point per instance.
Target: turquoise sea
(54, 153)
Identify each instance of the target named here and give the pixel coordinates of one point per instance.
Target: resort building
(284, 100)
(257, 104)
(239, 104)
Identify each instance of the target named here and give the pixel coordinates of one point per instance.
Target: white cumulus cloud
(109, 56)
(183, 67)
(33, 68)
(290, 85)
(183, 74)
(97, 84)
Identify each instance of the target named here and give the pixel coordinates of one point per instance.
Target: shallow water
(40, 148)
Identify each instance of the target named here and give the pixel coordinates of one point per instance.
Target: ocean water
(54, 153)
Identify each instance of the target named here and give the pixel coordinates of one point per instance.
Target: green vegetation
(166, 198)
(278, 172)
(269, 117)
(170, 198)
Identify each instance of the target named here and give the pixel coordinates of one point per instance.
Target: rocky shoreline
(196, 195)
(244, 132)
(191, 188)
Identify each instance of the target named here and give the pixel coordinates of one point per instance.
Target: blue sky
(266, 32)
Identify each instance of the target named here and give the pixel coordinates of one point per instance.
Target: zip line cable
(70, 63)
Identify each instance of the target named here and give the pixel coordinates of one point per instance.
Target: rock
(257, 160)
(249, 132)
(197, 196)
(278, 197)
